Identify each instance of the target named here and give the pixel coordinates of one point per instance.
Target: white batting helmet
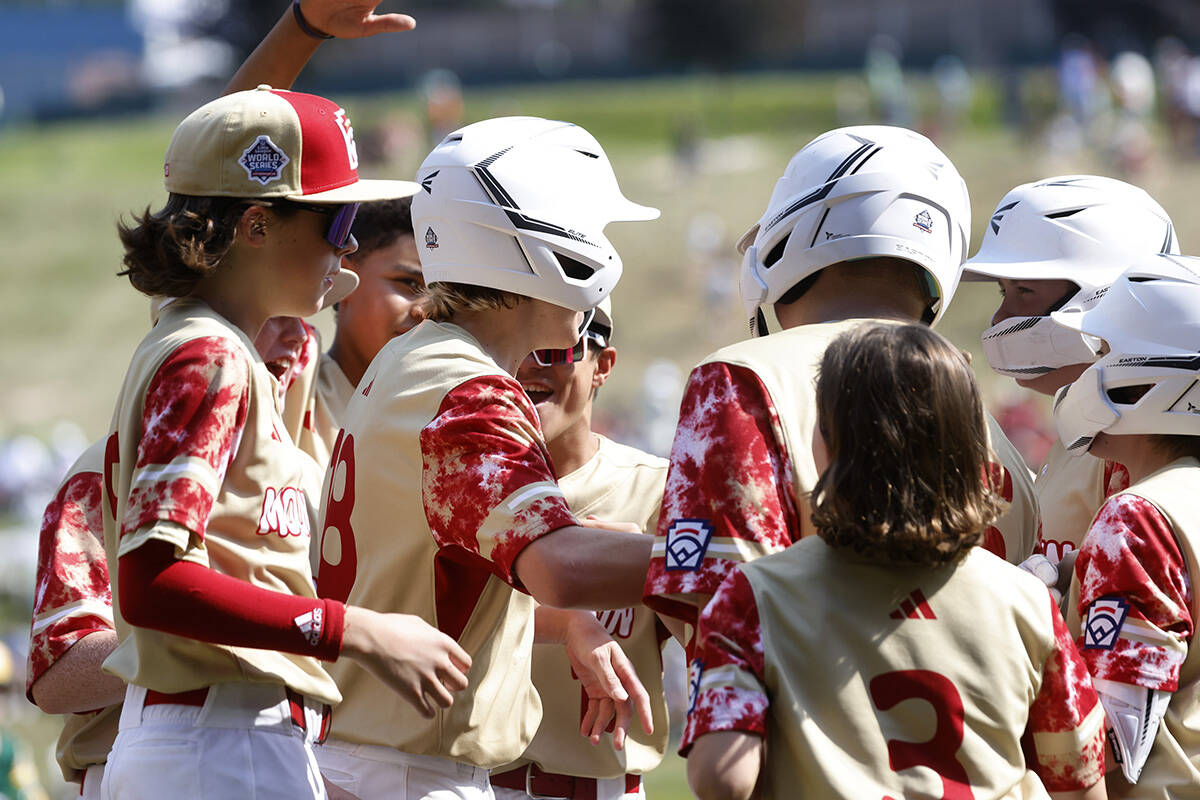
(1149, 380)
(1085, 229)
(857, 193)
(520, 204)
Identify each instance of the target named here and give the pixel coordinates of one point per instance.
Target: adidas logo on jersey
(311, 624)
(284, 511)
(914, 607)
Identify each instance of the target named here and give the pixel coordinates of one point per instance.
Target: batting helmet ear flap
(754, 288)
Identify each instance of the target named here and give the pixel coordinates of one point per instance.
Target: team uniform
(618, 484)
(1134, 586)
(818, 652)
(316, 401)
(742, 469)
(72, 600)
(1070, 489)
(438, 480)
(199, 457)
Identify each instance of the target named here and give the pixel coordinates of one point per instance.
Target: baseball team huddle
(407, 567)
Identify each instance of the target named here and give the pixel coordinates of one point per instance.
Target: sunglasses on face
(570, 355)
(338, 233)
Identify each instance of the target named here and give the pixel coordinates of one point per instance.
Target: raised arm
(281, 56)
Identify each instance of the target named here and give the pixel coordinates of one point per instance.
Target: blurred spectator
(953, 84)
(442, 93)
(1132, 81)
(1171, 63)
(18, 777)
(885, 80)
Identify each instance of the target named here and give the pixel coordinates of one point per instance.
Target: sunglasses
(338, 233)
(569, 355)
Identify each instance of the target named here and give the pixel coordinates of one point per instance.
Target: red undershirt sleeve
(160, 592)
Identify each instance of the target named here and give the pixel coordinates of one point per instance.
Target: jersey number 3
(939, 753)
(335, 580)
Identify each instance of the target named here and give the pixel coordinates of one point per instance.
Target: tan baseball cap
(272, 143)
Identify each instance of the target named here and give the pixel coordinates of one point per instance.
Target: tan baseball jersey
(880, 681)
(198, 456)
(742, 468)
(327, 392)
(1070, 490)
(72, 600)
(618, 484)
(1135, 587)
(438, 480)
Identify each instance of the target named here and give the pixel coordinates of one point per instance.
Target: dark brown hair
(902, 420)
(1177, 445)
(443, 300)
(169, 251)
(379, 224)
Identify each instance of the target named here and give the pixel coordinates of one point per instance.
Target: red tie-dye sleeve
(192, 420)
(1116, 478)
(72, 596)
(1135, 596)
(1065, 731)
(727, 685)
(728, 496)
(487, 482)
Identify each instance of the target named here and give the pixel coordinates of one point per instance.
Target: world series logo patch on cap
(1104, 620)
(687, 542)
(263, 160)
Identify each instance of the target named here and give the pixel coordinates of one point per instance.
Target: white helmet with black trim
(854, 193)
(1149, 380)
(1085, 229)
(520, 204)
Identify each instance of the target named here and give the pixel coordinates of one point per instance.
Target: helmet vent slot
(586, 153)
(776, 252)
(576, 270)
(1061, 214)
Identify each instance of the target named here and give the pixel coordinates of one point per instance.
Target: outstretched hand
(353, 19)
(612, 686)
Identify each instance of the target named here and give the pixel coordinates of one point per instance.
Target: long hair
(902, 421)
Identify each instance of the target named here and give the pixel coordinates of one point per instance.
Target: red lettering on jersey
(308, 423)
(112, 454)
(284, 511)
(940, 752)
(618, 622)
(336, 580)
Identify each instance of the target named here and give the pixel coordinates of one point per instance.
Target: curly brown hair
(169, 251)
(443, 299)
(903, 424)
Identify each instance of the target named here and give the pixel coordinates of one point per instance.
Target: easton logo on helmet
(924, 222)
(430, 239)
(263, 160)
(427, 184)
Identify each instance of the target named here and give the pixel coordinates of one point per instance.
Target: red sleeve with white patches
(730, 477)
(192, 420)
(1135, 596)
(72, 597)
(488, 484)
(1066, 704)
(728, 691)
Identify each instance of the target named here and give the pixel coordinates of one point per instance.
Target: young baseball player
(866, 223)
(72, 627)
(1054, 244)
(1133, 605)
(888, 656)
(206, 522)
(509, 224)
(609, 481)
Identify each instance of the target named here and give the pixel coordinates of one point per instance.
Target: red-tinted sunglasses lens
(550, 358)
(339, 228)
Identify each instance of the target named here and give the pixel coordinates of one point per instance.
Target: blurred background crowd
(699, 104)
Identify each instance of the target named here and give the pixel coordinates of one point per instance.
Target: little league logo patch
(924, 222)
(263, 160)
(1104, 620)
(430, 239)
(687, 542)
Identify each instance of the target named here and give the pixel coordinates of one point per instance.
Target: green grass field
(69, 325)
